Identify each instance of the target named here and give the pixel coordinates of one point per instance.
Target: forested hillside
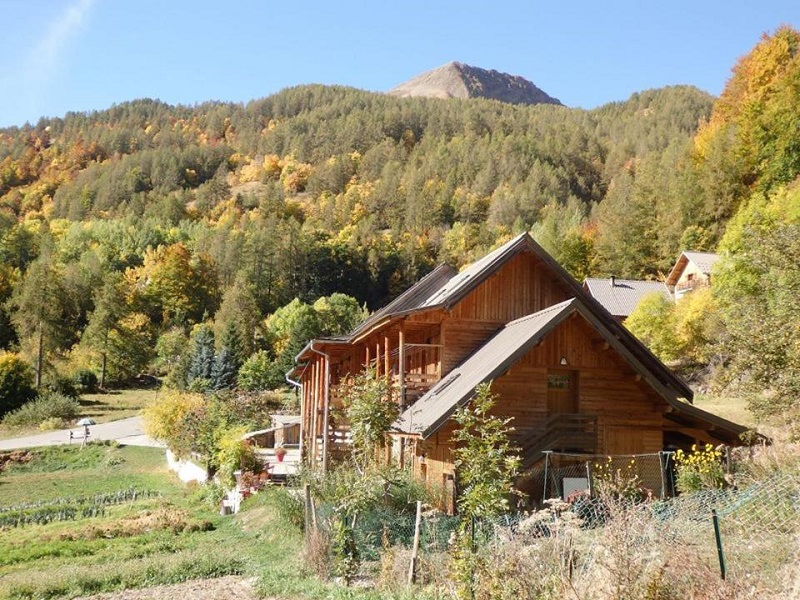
(124, 229)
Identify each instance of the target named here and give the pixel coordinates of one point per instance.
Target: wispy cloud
(46, 55)
(45, 58)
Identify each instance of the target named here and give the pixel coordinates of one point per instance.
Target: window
(559, 381)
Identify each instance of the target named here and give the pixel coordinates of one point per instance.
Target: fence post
(547, 454)
(662, 466)
(472, 561)
(309, 508)
(723, 569)
(589, 481)
(412, 569)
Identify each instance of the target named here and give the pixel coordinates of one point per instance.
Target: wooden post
(378, 358)
(387, 357)
(366, 358)
(401, 365)
(309, 507)
(326, 415)
(412, 568)
(312, 438)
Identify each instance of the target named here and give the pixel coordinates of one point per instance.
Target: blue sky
(78, 55)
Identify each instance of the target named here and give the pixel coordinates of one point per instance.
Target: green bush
(255, 375)
(85, 381)
(50, 405)
(62, 385)
(16, 382)
(52, 423)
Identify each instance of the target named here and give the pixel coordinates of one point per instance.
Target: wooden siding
(522, 286)
(629, 413)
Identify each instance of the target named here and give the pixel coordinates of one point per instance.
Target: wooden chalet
(692, 271)
(563, 367)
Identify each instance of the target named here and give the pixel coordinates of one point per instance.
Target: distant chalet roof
(704, 261)
(512, 343)
(621, 296)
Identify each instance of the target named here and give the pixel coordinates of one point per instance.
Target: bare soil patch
(223, 588)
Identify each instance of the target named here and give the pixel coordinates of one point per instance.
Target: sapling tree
(486, 460)
(370, 410)
(486, 465)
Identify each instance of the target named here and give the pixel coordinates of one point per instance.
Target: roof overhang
(432, 413)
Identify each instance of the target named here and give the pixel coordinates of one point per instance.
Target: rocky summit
(457, 80)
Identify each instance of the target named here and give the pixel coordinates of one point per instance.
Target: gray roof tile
(624, 296)
(501, 351)
(703, 260)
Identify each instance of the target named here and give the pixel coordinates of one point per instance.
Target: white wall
(186, 470)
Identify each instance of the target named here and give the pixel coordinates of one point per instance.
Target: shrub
(234, 453)
(16, 382)
(85, 381)
(52, 423)
(47, 407)
(255, 375)
(370, 413)
(164, 417)
(62, 385)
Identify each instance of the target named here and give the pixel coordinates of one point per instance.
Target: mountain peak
(458, 80)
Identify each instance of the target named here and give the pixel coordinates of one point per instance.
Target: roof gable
(444, 287)
(500, 352)
(704, 261)
(509, 345)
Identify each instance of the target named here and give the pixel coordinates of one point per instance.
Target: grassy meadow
(109, 406)
(170, 533)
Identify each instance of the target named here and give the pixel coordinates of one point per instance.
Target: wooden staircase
(563, 432)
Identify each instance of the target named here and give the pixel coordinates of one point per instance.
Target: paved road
(128, 432)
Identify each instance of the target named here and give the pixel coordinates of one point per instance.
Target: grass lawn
(731, 408)
(168, 535)
(116, 405)
(110, 406)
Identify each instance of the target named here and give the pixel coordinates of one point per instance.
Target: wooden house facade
(562, 366)
(691, 271)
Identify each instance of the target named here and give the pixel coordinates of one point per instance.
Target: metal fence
(758, 529)
(565, 475)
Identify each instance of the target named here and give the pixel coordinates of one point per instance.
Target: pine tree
(202, 361)
(229, 360)
(224, 370)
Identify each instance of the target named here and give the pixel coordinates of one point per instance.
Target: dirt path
(128, 431)
(224, 588)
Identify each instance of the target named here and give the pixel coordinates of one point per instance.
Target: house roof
(438, 290)
(444, 286)
(474, 274)
(704, 261)
(415, 297)
(512, 342)
(505, 348)
(621, 296)
(441, 288)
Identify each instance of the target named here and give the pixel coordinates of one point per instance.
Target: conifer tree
(202, 361)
